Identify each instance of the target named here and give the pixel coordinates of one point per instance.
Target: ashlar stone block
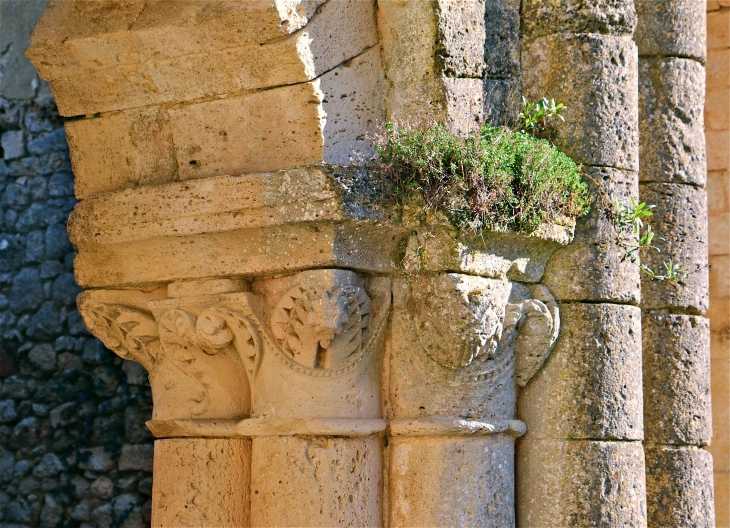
(593, 267)
(316, 481)
(679, 487)
(672, 27)
(671, 120)
(595, 76)
(337, 32)
(676, 374)
(202, 482)
(609, 17)
(590, 386)
(680, 218)
(461, 34)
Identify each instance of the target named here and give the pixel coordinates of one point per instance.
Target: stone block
(718, 74)
(680, 218)
(676, 372)
(464, 104)
(720, 446)
(452, 481)
(327, 120)
(501, 101)
(589, 388)
(718, 30)
(718, 150)
(719, 315)
(671, 124)
(136, 458)
(722, 506)
(593, 268)
(316, 481)
(671, 27)
(717, 108)
(611, 17)
(461, 34)
(121, 151)
(17, 75)
(76, 37)
(720, 276)
(408, 38)
(202, 482)
(502, 38)
(718, 229)
(338, 32)
(580, 483)
(595, 76)
(13, 144)
(679, 487)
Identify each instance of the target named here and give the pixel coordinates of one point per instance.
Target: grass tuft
(499, 179)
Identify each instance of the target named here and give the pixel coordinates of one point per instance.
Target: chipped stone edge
(455, 427)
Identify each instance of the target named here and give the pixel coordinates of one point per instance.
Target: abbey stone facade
(314, 359)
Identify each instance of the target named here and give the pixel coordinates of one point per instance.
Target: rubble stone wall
(74, 450)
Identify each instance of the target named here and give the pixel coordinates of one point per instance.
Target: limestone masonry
(316, 357)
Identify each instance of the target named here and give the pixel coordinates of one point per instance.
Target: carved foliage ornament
(321, 328)
(466, 326)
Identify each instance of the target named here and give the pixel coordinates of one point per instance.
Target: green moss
(500, 179)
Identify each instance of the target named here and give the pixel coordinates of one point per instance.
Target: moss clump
(499, 179)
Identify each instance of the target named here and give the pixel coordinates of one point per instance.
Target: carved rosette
(477, 331)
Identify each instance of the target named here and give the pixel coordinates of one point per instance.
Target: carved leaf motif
(319, 328)
(537, 331)
(218, 327)
(130, 333)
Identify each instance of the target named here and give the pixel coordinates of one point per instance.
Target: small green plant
(496, 179)
(534, 115)
(629, 220)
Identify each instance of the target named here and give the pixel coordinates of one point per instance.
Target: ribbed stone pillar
(676, 357)
(581, 461)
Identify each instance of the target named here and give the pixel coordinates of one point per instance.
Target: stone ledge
(456, 427)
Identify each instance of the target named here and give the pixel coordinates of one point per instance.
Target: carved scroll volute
(129, 332)
(537, 323)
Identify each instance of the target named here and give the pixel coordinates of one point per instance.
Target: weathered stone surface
(13, 144)
(680, 218)
(291, 220)
(543, 17)
(502, 38)
(469, 336)
(671, 27)
(593, 268)
(121, 150)
(676, 373)
(461, 34)
(671, 122)
(316, 481)
(76, 37)
(327, 120)
(17, 75)
(580, 483)
(202, 482)
(464, 104)
(408, 38)
(679, 487)
(501, 101)
(595, 76)
(452, 481)
(589, 387)
(304, 56)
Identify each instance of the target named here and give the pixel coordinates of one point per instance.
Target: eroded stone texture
(543, 17)
(502, 34)
(593, 267)
(679, 487)
(671, 27)
(671, 124)
(316, 481)
(123, 150)
(452, 481)
(202, 482)
(148, 78)
(595, 76)
(676, 371)
(680, 218)
(590, 385)
(580, 483)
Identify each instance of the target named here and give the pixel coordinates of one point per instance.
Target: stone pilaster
(671, 40)
(584, 409)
